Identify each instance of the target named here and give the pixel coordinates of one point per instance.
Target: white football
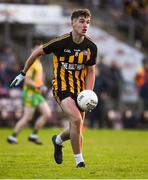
(87, 100)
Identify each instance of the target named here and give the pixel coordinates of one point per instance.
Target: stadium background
(116, 130)
(119, 29)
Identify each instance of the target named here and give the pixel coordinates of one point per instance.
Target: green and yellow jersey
(70, 61)
(32, 96)
(35, 73)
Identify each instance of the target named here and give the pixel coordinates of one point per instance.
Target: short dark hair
(80, 12)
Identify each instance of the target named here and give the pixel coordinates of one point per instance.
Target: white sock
(34, 136)
(58, 140)
(78, 158)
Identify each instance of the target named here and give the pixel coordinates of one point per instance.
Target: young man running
(74, 59)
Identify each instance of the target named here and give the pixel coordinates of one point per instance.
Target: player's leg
(45, 115)
(40, 122)
(65, 135)
(74, 132)
(76, 125)
(27, 116)
(83, 118)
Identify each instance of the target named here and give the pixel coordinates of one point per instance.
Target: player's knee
(77, 121)
(29, 119)
(47, 115)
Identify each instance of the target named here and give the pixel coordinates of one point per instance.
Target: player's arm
(34, 55)
(90, 78)
(47, 48)
(91, 64)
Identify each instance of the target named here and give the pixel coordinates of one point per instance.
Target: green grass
(108, 154)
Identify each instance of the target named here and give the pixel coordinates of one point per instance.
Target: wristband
(22, 73)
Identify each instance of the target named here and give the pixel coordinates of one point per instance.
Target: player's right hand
(18, 79)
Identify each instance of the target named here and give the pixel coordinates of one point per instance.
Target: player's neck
(77, 38)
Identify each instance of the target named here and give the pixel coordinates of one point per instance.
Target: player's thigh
(44, 108)
(68, 105)
(28, 113)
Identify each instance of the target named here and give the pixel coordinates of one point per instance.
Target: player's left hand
(18, 79)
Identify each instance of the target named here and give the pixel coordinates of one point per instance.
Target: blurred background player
(33, 98)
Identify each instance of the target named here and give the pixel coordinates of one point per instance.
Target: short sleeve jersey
(70, 61)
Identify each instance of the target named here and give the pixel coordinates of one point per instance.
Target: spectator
(7, 56)
(11, 72)
(144, 119)
(101, 88)
(130, 119)
(142, 83)
(117, 81)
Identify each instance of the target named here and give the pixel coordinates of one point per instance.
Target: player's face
(80, 25)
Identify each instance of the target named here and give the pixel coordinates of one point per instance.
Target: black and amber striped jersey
(70, 61)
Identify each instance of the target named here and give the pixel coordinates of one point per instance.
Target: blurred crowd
(111, 112)
(9, 67)
(130, 16)
(133, 20)
(127, 16)
(25, 1)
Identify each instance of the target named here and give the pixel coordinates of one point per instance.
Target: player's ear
(73, 21)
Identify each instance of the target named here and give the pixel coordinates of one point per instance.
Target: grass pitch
(108, 154)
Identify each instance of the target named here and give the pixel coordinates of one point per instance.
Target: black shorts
(60, 95)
